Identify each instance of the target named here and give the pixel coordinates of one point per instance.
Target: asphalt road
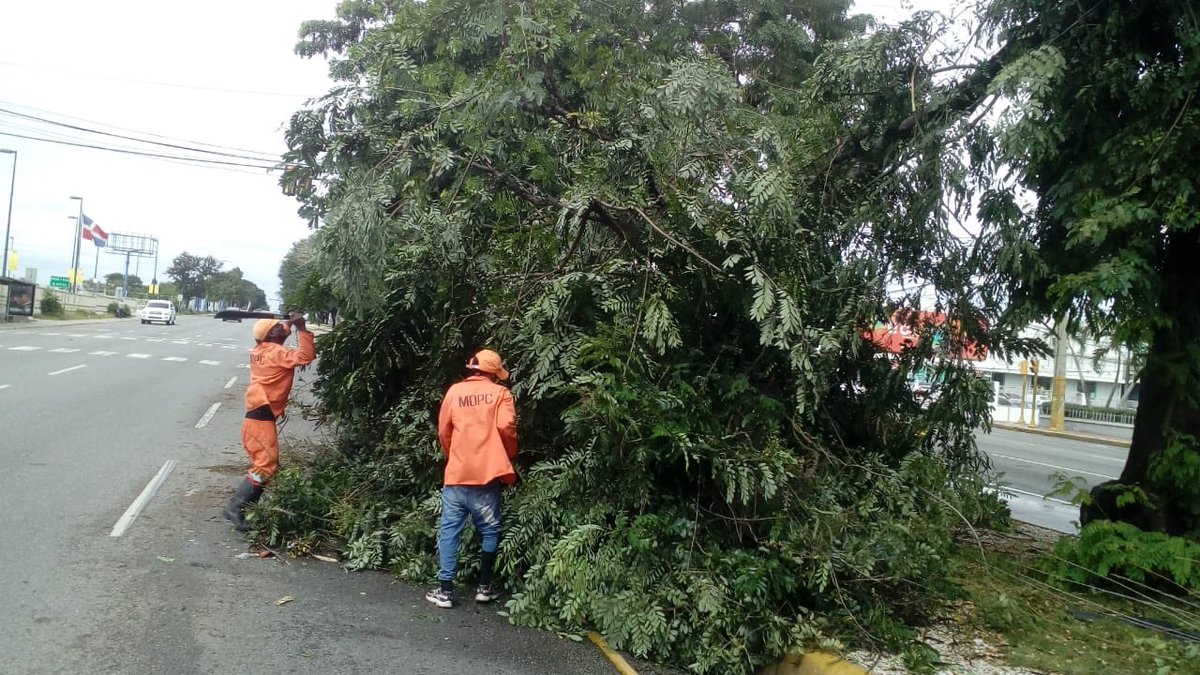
(92, 413)
(1032, 464)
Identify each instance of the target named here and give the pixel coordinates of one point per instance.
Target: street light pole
(12, 185)
(75, 247)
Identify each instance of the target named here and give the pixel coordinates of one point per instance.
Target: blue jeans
(482, 503)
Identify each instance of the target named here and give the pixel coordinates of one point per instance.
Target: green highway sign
(60, 282)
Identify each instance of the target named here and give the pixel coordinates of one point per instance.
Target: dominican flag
(93, 233)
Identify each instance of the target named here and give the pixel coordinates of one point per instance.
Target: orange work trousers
(261, 441)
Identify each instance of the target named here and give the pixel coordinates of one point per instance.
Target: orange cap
(262, 327)
(488, 361)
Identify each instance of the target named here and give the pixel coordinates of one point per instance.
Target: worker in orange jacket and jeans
(272, 371)
(477, 427)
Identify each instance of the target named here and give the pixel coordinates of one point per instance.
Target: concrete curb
(813, 663)
(1087, 438)
(46, 323)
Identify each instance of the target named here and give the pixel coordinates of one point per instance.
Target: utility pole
(12, 186)
(1058, 388)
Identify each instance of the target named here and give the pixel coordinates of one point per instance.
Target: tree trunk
(1170, 387)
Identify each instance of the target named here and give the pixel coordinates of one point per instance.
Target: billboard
(20, 298)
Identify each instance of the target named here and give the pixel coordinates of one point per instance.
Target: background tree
(1104, 130)
(117, 280)
(301, 285)
(192, 274)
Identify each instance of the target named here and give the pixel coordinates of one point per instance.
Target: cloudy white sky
(221, 72)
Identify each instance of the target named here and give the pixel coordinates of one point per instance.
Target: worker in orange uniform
(272, 370)
(477, 428)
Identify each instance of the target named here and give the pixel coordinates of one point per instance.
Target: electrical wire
(135, 131)
(173, 146)
(197, 160)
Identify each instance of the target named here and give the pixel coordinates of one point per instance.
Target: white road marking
(101, 353)
(63, 350)
(1054, 466)
(76, 335)
(1009, 488)
(52, 334)
(180, 342)
(67, 370)
(243, 365)
(138, 356)
(6, 386)
(23, 349)
(208, 416)
(206, 362)
(138, 504)
(128, 338)
(154, 340)
(174, 358)
(227, 384)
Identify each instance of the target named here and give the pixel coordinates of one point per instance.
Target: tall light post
(12, 185)
(75, 247)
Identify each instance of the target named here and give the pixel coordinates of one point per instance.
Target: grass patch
(1082, 629)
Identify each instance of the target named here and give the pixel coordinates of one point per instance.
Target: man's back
(477, 427)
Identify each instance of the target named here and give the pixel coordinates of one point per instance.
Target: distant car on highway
(158, 310)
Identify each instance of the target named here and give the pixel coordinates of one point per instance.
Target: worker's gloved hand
(297, 321)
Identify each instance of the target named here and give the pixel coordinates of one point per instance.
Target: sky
(221, 72)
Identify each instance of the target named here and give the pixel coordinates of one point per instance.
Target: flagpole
(75, 248)
(96, 268)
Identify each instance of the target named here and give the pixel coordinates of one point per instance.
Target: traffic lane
(78, 450)
(1079, 456)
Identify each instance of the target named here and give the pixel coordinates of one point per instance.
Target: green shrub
(51, 305)
(1112, 550)
(112, 308)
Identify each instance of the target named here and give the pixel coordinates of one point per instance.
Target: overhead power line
(136, 131)
(173, 146)
(197, 160)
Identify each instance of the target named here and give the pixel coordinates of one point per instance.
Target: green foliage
(112, 308)
(51, 305)
(676, 234)
(1113, 550)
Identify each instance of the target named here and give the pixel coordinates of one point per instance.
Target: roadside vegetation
(677, 221)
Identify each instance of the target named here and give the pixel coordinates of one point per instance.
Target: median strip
(138, 504)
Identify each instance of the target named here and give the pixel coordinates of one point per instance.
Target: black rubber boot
(244, 497)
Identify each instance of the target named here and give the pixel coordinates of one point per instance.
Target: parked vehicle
(158, 310)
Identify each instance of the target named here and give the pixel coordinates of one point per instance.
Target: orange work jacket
(477, 427)
(272, 368)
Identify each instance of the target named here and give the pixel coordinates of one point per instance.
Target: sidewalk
(1072, 435)
(45, 323)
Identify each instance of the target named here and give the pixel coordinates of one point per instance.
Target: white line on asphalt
(63, 350)
(1054, 466)
(208, 415)
(174, 358)
(227, 384)
(206, 362)
(101, 353)
(137, 356)
(138, 504)
(52, 334)
(23, 349)
(6, 386)
(128, 338)
(76, 335)
(1008, 488)
(67, 370)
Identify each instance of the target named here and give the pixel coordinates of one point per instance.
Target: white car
(158, 310)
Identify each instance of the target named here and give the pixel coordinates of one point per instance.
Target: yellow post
(1033, 408)
(1024, 368)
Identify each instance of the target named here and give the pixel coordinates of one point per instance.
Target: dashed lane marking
(138, 504)
(208, 416)
(1054, 466)
(6, 386)
(101, 353)
(24, 348)
(67, 370)
(63, 350)
(137, 356)
(227, 384)
(206, 362)
(174, 358)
